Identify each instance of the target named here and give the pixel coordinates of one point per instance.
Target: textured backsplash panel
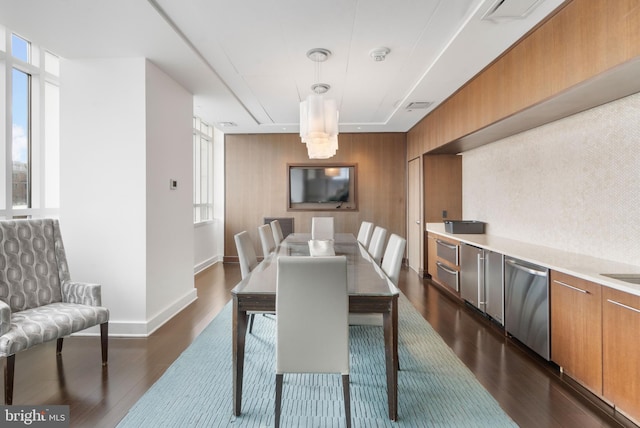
(573, 184)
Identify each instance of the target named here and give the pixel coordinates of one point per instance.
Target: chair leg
(104, 340)
(347, 399)
(59, 346)
(9, 369)
(279, 379)
(251, 318)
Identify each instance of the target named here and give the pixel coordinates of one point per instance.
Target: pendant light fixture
(319, 117)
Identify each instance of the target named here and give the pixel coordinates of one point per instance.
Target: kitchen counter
(579, 265)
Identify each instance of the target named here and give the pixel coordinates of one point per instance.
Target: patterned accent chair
(38, 300)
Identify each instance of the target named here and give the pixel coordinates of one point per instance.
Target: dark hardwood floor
(530, 390)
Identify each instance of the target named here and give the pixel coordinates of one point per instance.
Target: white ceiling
(245, 60)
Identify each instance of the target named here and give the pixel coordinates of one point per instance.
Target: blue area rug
(435, 389)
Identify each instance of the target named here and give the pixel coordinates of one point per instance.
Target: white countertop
(579, 265)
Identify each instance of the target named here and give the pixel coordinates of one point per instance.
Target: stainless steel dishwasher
(527, 304)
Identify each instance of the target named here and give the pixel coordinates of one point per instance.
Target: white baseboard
(144, 329)
(205, 264)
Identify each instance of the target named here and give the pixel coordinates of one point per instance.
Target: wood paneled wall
(256, 182)
(443, 185)
(584, 39)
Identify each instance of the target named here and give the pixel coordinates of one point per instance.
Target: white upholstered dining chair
(391, 264)
(277, 232)
(376, 244)
(392, 258)
(322, 228)
(364, 234)
(312, 338)
(246, 253)
(248, 261)
(266, 239)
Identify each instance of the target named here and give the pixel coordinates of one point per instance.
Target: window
(202, 171)
(20, 133)
(29, 118)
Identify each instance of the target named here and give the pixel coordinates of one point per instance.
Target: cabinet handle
(623, 305)
(446, 244)
(446, 269)
(571, 287)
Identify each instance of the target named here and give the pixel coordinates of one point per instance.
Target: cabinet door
(576, 329)
(621, 324)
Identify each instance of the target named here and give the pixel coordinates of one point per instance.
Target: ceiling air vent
(228, 124)
(505, 10)
(418, 105)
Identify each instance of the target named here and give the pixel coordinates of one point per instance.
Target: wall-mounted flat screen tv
(330, 187)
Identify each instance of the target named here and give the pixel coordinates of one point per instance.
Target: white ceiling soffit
(246, 64)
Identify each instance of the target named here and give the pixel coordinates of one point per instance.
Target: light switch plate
(173, 184)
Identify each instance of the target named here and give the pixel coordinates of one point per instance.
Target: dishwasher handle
(526, 269)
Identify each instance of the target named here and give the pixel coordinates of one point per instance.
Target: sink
(633, 278)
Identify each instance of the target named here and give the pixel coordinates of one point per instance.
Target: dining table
(369, 290)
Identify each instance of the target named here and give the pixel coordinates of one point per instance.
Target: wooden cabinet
(557, 56)
(621, 351)
(431, 254)
(442, 187)
(576, 329)
(594, 339)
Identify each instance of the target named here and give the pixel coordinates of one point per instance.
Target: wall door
(414, 218)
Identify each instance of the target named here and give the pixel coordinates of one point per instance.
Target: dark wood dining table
(369, 290)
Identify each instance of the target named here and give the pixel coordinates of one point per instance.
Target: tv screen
(332, 186)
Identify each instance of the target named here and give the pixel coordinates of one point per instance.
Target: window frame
(202, 172)
(41, 83)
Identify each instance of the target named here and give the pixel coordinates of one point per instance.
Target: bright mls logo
(34, 416)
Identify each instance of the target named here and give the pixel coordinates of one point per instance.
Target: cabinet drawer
(448, 252)
(448, 276)
(621, 371)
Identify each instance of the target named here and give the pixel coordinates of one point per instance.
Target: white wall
(123, 124)
(573, 184)
(169, 147)
(102, 181)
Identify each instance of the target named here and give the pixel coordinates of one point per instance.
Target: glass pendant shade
(319, 126)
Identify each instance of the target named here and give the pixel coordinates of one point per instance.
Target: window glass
(20, 48)
(51, 145)
(20, 139)
(204, 175)
(51, 63)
